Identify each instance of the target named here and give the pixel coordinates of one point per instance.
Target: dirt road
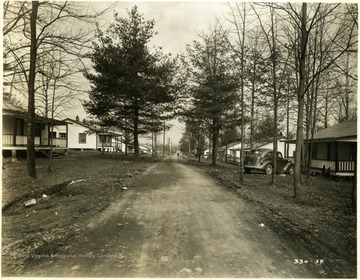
(177, 222)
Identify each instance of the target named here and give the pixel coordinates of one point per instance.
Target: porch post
(66, 139)
(67, 135)
(336, 146)
(13, 155)
(14, 134)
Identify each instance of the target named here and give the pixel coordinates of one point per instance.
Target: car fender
(262, 166)
(286, 167)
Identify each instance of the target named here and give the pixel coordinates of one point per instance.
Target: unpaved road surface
(177, 222)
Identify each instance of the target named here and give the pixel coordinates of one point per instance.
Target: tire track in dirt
(176, 222)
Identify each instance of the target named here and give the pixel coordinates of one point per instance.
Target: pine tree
(131, 84)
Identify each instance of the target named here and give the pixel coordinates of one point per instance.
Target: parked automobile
(262, 159)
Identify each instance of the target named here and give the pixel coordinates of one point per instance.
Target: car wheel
(269, 169)
(247, 170)
(291, 170)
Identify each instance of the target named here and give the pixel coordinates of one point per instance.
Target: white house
(14, 132)
(233, 151)
(82, 136)
(286, 148)
(77, 134)
(110, 141)
(283, 146)
(335, 149)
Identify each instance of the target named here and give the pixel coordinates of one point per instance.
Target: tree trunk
(152, 144)
(49, 169)
(136, 132)
(273, 175)
(215, 137)
(242, 92)
(252, 110)
(102, 144)
(226, 149)
(155, 143)
(313, 125)
(164, 141)
(31, 161)
(52, 127)
(308, 117)
(287, 155)
(199, 147)
(300, 94)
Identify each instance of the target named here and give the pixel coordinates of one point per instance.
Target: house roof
(143, 147)
(11, 109)
(341, 130)
(232, 145)
(113, 131)
(236, 146)
(71, 121)
(110, 133)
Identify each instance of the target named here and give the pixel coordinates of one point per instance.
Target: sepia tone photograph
(179, 139)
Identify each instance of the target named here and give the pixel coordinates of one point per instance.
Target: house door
(20, 127)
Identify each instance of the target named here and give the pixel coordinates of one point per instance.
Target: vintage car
(262, 159)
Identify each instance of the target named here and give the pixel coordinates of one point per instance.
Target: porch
(332, 167)
(10, 141)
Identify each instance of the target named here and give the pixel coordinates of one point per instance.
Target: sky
(177, 24)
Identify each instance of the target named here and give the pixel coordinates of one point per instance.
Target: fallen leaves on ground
(322, 223)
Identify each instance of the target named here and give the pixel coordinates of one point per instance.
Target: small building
(84, 136)
(110, 141)
(145, 149)
(334, 149)
(77, 134)
(14, 133)
(232, 152)
(286, 148)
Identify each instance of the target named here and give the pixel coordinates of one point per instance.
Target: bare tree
(51, 24)
(238, 19)
(278, 73)
(342, 37)
(31, 92)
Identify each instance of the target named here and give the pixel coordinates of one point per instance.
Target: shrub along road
(176, 222)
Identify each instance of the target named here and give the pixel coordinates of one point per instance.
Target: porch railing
(346, 165)
(20, 140)
(7, 139)
(56, 142)
(336, 166)
(104, 144)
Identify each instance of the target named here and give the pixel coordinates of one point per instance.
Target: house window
(314, 151)
(62, 135)
(82, 138)
(20, 127)
(52, 134)
(322, 151)
(344, 150)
